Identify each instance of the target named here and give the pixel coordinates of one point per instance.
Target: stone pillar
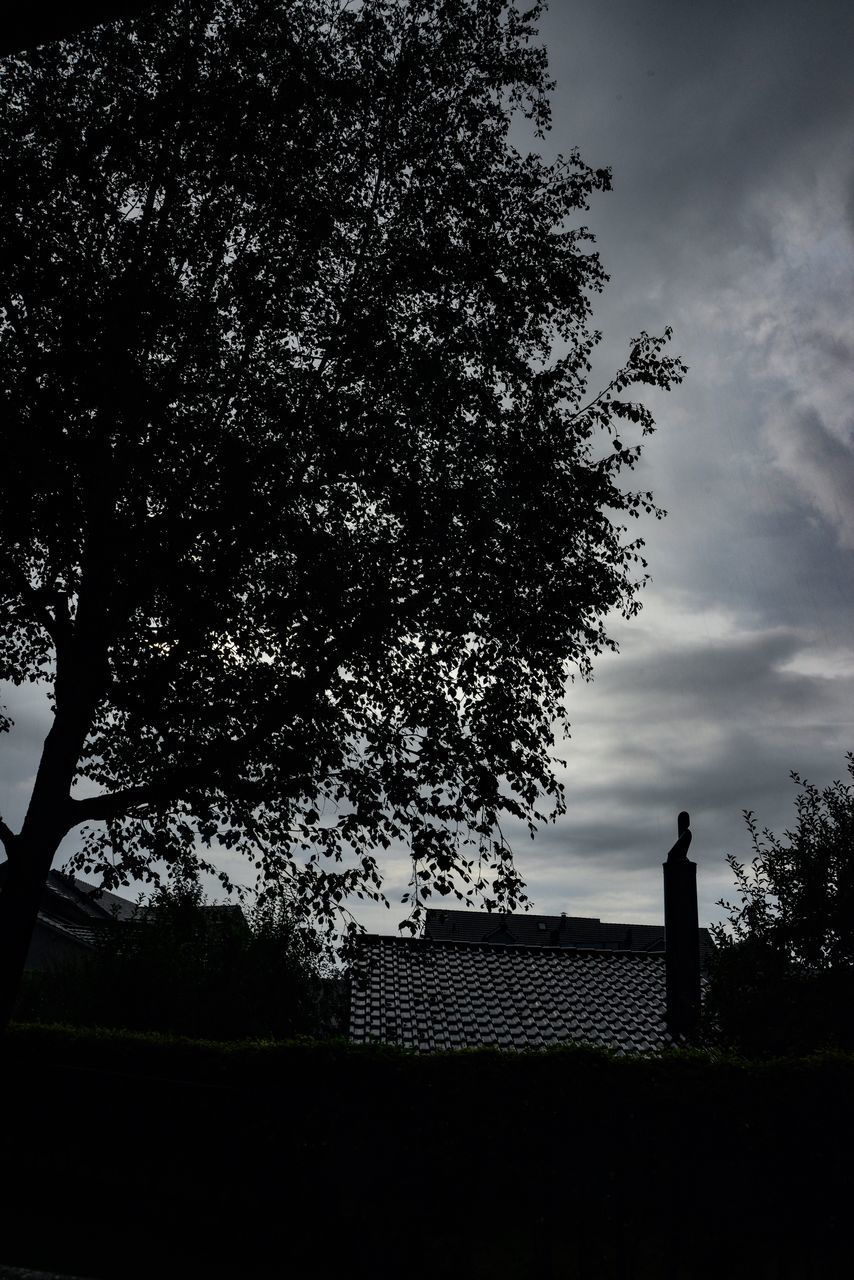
(681, 937)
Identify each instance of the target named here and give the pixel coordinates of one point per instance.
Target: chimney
(681, 937)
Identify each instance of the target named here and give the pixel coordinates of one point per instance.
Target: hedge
(572, 1161)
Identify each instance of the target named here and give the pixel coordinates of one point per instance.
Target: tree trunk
(20, 899)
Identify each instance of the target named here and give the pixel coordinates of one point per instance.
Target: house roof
(75, 907)
(116, 907)
(550, 931)
(83, 935)
(78, 902)
(432, 995)
(75, 910)
(78, 909)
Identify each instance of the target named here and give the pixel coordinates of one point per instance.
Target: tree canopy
(33, 24)
(306, 516)
(784, 975)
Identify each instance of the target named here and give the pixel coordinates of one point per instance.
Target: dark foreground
(128, 1157)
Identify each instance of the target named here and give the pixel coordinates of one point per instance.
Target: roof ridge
(506, 946)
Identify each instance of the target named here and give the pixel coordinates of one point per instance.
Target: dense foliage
(26, 26)
(192, 968)
(784, 973)
(307, 519)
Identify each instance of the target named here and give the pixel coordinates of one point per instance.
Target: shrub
(783, 977)
(188, 967)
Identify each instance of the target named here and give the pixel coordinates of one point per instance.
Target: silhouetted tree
(305, 518)
(783, 977)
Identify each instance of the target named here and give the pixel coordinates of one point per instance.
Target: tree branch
(117, 803)
(153, 795)
(34, 598)
(207, 772)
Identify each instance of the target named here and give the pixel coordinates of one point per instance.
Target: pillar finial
(683, 839)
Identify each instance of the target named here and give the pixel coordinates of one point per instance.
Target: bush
(762, 1005)
(782, 980)
(191, 968)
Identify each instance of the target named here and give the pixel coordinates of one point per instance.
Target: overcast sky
(729, 130)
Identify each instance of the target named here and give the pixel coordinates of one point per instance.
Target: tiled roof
(428, 995)
(85, 935)
(77, 911)
(76, 902)
(65, 894)
(549, 931)
(115, 906)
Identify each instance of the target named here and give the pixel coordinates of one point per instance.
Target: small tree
(306, 516)
(783, 978)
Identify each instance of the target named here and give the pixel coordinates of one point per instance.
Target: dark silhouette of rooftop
(550, 931)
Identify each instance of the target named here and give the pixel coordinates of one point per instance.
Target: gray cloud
(819, 464)
(849, 203)
(713, 725)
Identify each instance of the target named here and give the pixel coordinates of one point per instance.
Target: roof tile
(429, 995)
